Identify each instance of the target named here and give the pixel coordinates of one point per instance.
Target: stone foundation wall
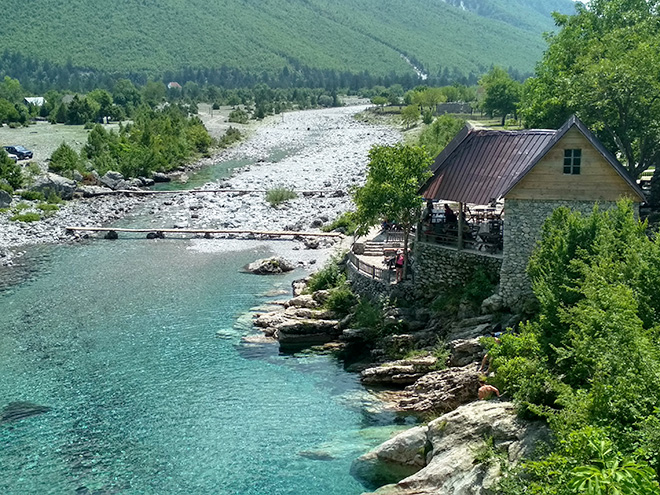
(442, 266)
(365, 285)
(522, 229)
(376, 289)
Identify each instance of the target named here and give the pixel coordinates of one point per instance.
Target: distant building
(453, 107)
(173, 85)
(37, 101)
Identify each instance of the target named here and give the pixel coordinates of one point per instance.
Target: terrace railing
(374, 272)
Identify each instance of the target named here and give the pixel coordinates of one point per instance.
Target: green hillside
(159, 35)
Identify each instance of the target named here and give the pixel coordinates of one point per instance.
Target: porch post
(461, 218)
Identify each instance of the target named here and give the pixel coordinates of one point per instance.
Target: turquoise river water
(137, 347)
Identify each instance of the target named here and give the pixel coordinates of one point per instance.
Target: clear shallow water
(136, 345)
(220, 170)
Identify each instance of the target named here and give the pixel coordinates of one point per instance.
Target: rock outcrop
(464, 352)
(51, 182)
(441, 391)
(465, 450)
(398, 458)
(471, 328)
(269, 266)
(402, 372)
(302, 322)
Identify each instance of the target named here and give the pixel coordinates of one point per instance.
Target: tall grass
(279, 195)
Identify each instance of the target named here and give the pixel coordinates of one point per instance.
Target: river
(138, 348)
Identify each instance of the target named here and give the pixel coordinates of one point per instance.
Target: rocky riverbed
(319, 150)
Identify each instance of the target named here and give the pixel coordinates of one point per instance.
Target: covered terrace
(465, 205)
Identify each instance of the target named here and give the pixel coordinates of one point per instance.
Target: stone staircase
(375, 248)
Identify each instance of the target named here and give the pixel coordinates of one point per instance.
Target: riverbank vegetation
(11, 176)
(158, 140)
(589, 362)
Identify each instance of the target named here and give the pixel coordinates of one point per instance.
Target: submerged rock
(21, 409)
(316, 455)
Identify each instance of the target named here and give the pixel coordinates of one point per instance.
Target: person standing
(398, 265)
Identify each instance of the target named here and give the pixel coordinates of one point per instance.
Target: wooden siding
(597, 181)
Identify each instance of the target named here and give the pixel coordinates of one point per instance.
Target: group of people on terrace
(483, 230)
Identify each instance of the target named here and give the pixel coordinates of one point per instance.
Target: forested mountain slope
(356, 35)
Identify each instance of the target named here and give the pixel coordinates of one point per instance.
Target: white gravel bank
(325, 150)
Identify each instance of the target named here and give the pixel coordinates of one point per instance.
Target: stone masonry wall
(376, 289)
(522, 229)
(440, 266)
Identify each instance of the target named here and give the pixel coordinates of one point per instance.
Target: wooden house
(533, 172)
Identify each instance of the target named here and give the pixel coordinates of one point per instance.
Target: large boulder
(270, 266)
(390, 462)
(463, 352)
(466, 449)
(5, 199)
(111, 179)
(441, 391)
(51, 182)
(160, 177)
(402, 372)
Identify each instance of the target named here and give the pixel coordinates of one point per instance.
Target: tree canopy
(502, 93)
(394, 176)
(590, 361)
(604, 65)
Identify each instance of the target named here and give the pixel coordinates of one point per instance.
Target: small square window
(572, 161)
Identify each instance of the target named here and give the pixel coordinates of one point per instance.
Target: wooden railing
(486, 237)
(382, 274)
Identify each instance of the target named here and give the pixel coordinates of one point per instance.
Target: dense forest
(239, 43)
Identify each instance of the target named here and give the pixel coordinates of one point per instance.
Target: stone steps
(374, 248)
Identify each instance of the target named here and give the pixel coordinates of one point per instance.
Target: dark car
(21, 152)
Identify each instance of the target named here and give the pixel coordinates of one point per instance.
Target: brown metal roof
(480, 164)
(483, 165)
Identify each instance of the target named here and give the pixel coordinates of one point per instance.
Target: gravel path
(323, 150)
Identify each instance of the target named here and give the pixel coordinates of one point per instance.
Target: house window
(572, 160)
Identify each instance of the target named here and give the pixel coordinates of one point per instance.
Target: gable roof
(573, 121)
(35, 100)
(482, 165)
(479, 164)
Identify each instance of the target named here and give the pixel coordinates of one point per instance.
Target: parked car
(21, 152)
